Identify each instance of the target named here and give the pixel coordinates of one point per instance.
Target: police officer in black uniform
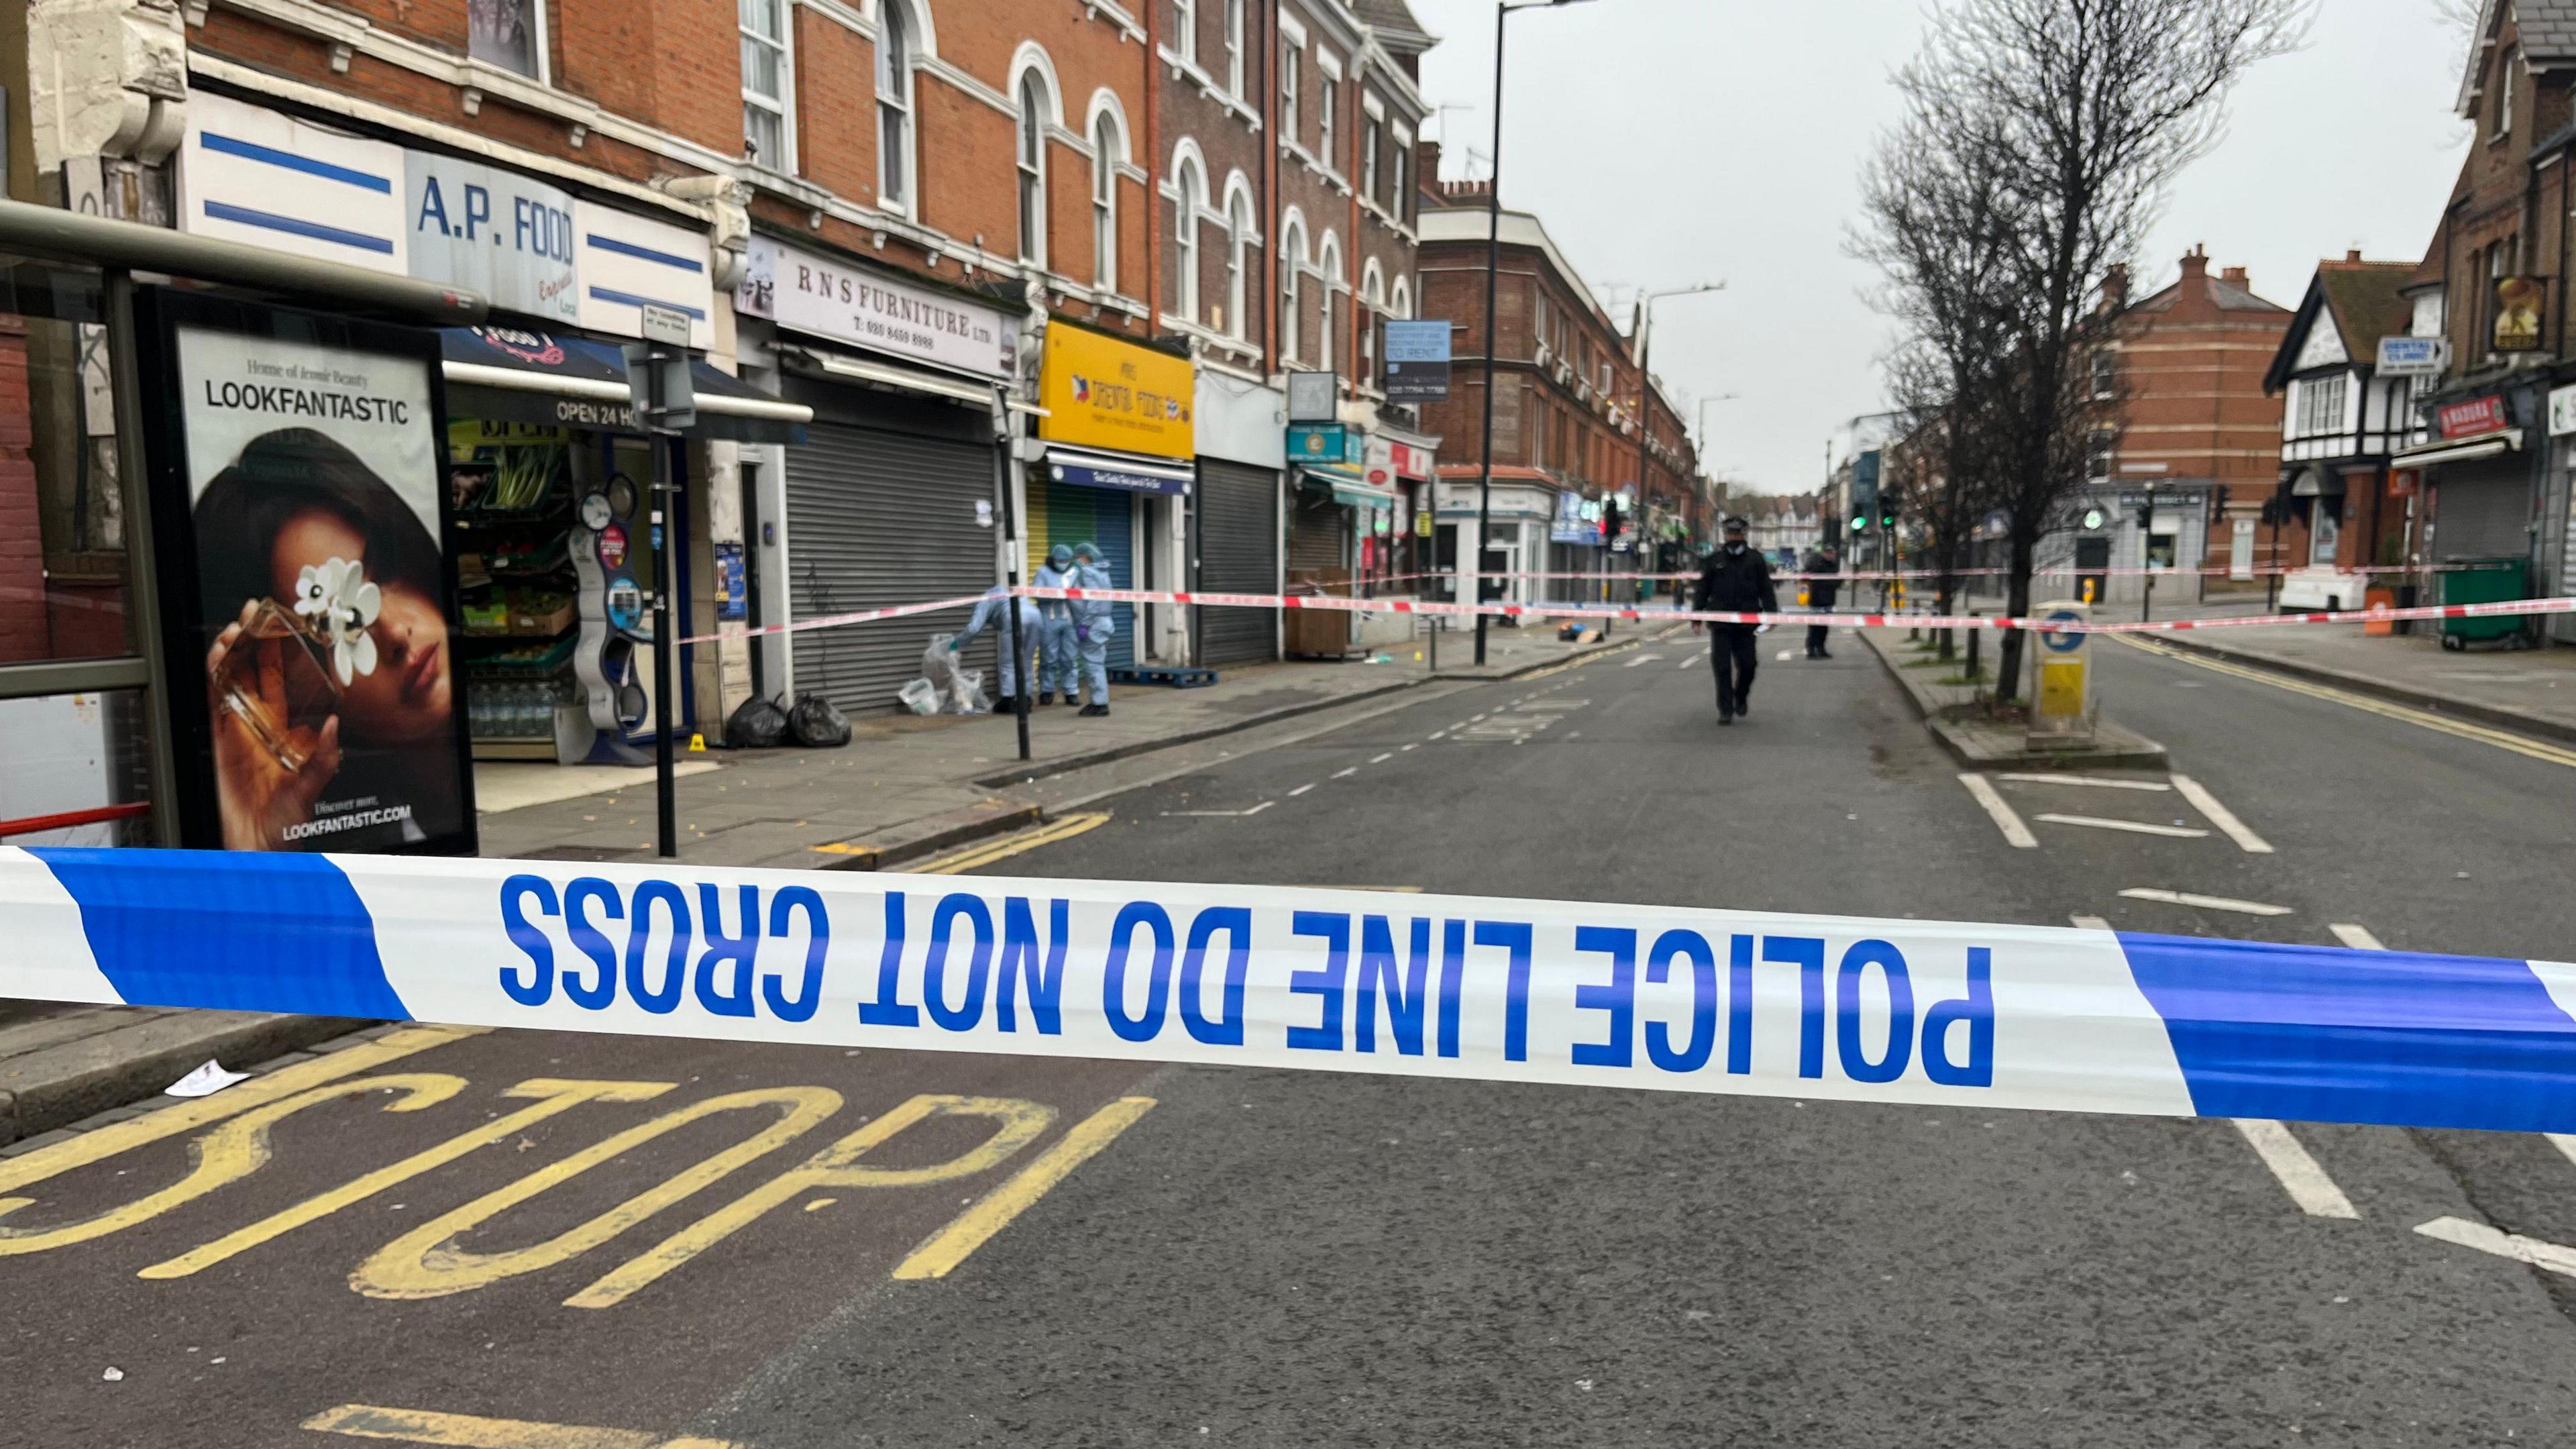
(1735, 579)
(1824, 586)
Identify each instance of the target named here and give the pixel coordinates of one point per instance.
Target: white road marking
(1300, 790)
(2091, 923)
(2357, 937)
(2134, 827)
(2297, 1172)
(1784, 655)
(1693, 662)
(1641, 659)
(2565, 1144)
(2207, 903)
(1382, 759)
(1223, 814)
(2220, 816)
(1409, 747)
(1574, 734)
(2099, 782)
(2015, 833)
(1439, 734)
(2538, 1254)
(1346, 774)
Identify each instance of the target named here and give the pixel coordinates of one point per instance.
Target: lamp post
(1643, 327)
(1475, 571)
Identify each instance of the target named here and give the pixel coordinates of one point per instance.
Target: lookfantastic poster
(323, 595)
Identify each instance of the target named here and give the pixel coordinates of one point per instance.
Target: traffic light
(2146, 516)
(1887, 521)
(1860, 523)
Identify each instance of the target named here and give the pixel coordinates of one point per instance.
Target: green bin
(2484, 581)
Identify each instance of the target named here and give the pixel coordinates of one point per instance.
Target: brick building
(1568, 403)
(897, 220)
(2495, 474)
(2197, 436)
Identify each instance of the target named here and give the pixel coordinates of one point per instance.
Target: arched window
(1105, 154)
(1032, 161)
(1402, 306)
(1238, 246)
(1292, 288)
(1329, 329)
(1189, 197)
(1373, 293)
(894, 108)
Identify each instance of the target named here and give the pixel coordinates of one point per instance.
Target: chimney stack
(2235, 277)
(2115, 287)
(2195, 263)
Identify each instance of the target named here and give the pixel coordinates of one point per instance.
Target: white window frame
(1029, 161)
(1328, 265)
(1108, 147)
(1185, 31)
(1237, 33)
(2105, 375)
(2099, 447)
(1292, 289)
(2504, 95)
(2323, 405)
(1189, 196)
(1400, 300)
(1238, 263)
(1398, 204)
(1292, 59)
(1373, 304)
(781, 107)
(1328, 99)
(898, 110)
(545, 48)
(1372, 133)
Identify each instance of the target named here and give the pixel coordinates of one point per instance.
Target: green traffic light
(1859, 524)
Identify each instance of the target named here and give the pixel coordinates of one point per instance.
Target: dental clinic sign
(869, 308)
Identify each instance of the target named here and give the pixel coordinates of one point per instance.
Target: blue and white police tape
(1813, 1007)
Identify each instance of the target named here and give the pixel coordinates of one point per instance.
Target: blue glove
(956, 646)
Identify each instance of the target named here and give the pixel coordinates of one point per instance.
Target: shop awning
(2318, 483)
(1349, 488)
(853, 368)
(1119, 472)
(2465, 450)
(546, 378)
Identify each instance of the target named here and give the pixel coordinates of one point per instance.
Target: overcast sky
(1668, 142)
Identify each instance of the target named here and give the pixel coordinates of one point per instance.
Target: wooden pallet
(1177, 678)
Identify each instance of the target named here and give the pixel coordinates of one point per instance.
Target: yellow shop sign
(1100, 392)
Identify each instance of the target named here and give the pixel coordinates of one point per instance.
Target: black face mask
(1735, 545)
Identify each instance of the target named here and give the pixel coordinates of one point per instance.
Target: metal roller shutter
(878, 518)
(2483, 512)
(1070, 515)
(1319, 532)
(1238, 554)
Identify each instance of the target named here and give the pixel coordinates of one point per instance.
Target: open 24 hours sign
(1101, 392)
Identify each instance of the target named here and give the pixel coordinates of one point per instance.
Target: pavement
(2528, 690)
(536, 1239)
(904, 787)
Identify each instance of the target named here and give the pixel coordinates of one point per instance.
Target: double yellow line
(974, 857)
(2420, 718)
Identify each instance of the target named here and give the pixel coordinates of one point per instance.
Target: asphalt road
(778, 1248)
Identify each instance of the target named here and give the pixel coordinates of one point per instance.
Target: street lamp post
(1644, 328)
(1474, 571)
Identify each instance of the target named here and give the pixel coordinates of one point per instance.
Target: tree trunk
(2017, 605)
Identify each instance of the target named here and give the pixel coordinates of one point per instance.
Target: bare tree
(2078, 114)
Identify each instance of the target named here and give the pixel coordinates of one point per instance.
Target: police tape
(1954, 1014)
(2048, 624)
(2045, 624)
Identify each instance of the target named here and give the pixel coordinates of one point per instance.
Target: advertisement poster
(332, 708)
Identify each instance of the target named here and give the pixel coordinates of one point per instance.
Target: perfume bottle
(277, 680)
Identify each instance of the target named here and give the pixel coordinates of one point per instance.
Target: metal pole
(2147, 557)
(665, 787)
(1475, 571)
(142, 583)
(1021, 667)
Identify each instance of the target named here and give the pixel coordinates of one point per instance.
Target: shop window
(62, 514)
(1105, 153)
(1032, 170)
(765, 80)
(894, 108)
(508, 33)
(75, 770)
